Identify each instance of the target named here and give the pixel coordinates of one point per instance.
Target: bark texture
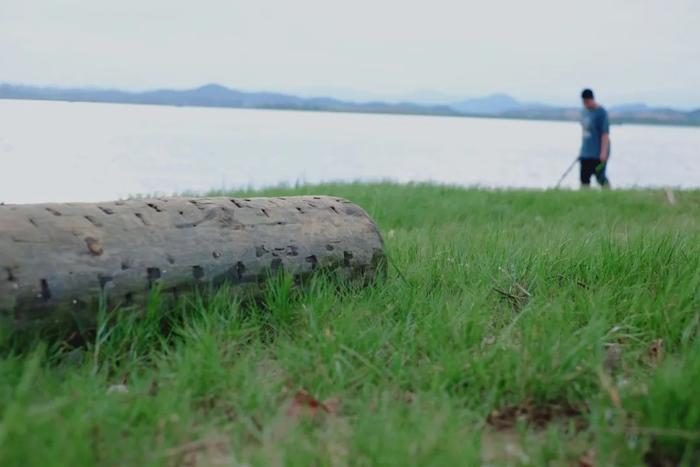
(57, 260)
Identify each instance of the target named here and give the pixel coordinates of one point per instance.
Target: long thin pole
(567, 172)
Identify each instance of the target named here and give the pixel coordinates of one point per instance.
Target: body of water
(61, 151)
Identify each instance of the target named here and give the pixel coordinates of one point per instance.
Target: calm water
(59, 151)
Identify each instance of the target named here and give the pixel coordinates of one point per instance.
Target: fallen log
(57, 261)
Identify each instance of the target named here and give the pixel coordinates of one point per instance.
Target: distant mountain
(505, 106)
(626, 113)
(490, 105)
(215, 95)
(631, 107)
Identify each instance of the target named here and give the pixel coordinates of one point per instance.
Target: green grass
(507, 301)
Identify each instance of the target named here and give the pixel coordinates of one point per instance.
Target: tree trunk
(57, 260)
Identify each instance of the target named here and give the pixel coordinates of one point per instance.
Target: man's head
(588, 99)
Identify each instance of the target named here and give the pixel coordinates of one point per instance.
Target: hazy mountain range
(214, 95)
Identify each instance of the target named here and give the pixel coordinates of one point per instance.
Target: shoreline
(645, 122)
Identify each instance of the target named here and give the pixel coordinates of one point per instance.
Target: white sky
(627, 50)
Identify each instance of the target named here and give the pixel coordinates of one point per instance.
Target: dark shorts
(591, 167)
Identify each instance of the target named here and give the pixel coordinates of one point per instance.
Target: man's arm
(604, 136)
(604, 146)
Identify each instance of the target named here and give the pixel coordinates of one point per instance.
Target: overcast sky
(628, 50)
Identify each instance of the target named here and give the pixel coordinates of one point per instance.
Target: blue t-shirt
(594, 123)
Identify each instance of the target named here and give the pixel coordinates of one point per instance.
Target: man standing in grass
(595, 147)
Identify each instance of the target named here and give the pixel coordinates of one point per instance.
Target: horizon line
(406, 99)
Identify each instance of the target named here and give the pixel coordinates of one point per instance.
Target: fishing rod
(567, 172)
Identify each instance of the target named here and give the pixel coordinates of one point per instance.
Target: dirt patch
(538, 415)
(509, 447)
(304, 404)
(213, 449)
(655, 352)
(502, 448)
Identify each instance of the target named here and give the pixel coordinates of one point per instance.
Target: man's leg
(587, 169)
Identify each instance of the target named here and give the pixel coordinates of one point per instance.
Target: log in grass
(57, 261)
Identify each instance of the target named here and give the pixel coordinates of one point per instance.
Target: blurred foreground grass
(524, 328)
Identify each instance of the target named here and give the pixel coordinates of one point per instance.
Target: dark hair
(587, 94)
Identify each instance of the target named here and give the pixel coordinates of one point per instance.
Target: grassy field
(514, 328)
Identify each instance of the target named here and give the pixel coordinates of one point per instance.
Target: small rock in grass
(488, 340)
(613, 355)
(118, 389)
